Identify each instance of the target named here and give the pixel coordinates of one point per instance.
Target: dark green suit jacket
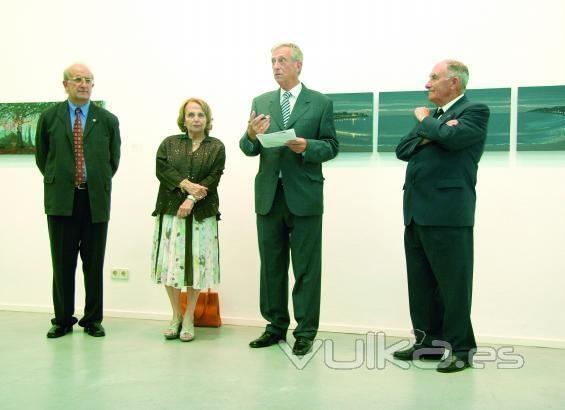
(55, 159)
(439, 189)
(312, 119)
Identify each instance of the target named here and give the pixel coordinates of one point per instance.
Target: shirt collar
(451, 103)
(294, 91)
(84, 108)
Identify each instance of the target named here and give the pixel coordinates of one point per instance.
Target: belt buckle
(81, 186)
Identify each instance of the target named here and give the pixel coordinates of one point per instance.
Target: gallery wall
(147, 57)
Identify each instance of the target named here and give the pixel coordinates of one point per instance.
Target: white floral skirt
(168, 257)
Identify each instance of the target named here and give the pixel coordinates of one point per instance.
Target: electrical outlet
(119, 274)
(124, 274)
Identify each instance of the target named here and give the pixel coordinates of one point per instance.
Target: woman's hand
(185, 209)
(196, 190)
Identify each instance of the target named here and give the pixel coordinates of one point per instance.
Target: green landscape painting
(541, 118)
(396, 116)
(17, 125)
(353, 114)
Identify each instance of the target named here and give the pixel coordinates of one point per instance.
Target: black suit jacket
(312, 119)
(55, 159)
(439, 189)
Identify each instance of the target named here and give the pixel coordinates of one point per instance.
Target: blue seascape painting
(541, 118)
(396, 116)
(353, 115)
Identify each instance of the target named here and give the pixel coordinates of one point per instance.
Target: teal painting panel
(541, 118)
(498, 101)
(396, 116)
(353, 115)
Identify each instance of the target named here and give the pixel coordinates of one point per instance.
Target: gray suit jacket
(303, 181)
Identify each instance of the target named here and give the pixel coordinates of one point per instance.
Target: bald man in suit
(78, 151)
(289, 198)
(443, 151)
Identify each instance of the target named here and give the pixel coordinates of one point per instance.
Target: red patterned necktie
(79, 151)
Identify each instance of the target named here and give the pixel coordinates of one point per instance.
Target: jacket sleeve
(471, 128)
(247, 146)
(326, 146)
(115, 143)
(409, 144)
(41, 144)
(166, 173)
(212, 180)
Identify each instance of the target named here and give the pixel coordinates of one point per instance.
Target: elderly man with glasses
(77, 151)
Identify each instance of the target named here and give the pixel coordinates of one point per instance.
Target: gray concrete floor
(135, 367)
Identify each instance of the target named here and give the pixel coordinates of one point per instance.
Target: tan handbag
(207, 311)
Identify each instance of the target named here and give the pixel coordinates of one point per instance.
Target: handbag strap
(207, 295)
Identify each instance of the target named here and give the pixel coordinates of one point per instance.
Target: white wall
(147, 57)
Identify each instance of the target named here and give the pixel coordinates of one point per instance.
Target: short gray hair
(295, 51)
(458, 69)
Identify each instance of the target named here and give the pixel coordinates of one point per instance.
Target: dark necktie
(79, 151)
(438, 113)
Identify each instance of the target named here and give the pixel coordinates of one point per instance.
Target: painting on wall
(396, 116)
(18, 122)
(541, 118)
(353, 115)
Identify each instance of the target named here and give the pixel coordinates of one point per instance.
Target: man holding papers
(289, 197)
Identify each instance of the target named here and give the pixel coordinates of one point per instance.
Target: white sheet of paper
(276, 139)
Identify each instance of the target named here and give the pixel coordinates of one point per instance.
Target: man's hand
(298, 145)
(452, 123)
(196, 190)
(257, 124)
(421, 113)
(185, 209)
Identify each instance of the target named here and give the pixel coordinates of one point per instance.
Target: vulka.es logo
(372, 352)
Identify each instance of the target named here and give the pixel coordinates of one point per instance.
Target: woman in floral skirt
(185, 241)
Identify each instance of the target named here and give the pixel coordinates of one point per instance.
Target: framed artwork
(396, 116)
(541, 118)
(353, 115)
(18, 122)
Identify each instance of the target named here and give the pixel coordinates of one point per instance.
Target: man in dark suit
(443, 151)
(78, 151)
(289, 198)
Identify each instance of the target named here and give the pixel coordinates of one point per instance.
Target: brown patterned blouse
(205, 166)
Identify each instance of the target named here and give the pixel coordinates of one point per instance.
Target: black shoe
(302, 346)
(266, 339)
(58, 331)
(95, 329)
(422, 353)
(453, 364)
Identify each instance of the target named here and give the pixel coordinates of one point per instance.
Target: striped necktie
(285, 107)
(78, 148)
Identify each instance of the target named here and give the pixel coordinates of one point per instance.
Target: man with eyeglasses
(77, 151)
(443, 152)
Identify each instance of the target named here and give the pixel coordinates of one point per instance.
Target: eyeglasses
(79, 80)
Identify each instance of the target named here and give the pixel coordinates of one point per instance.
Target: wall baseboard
(324, 327)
